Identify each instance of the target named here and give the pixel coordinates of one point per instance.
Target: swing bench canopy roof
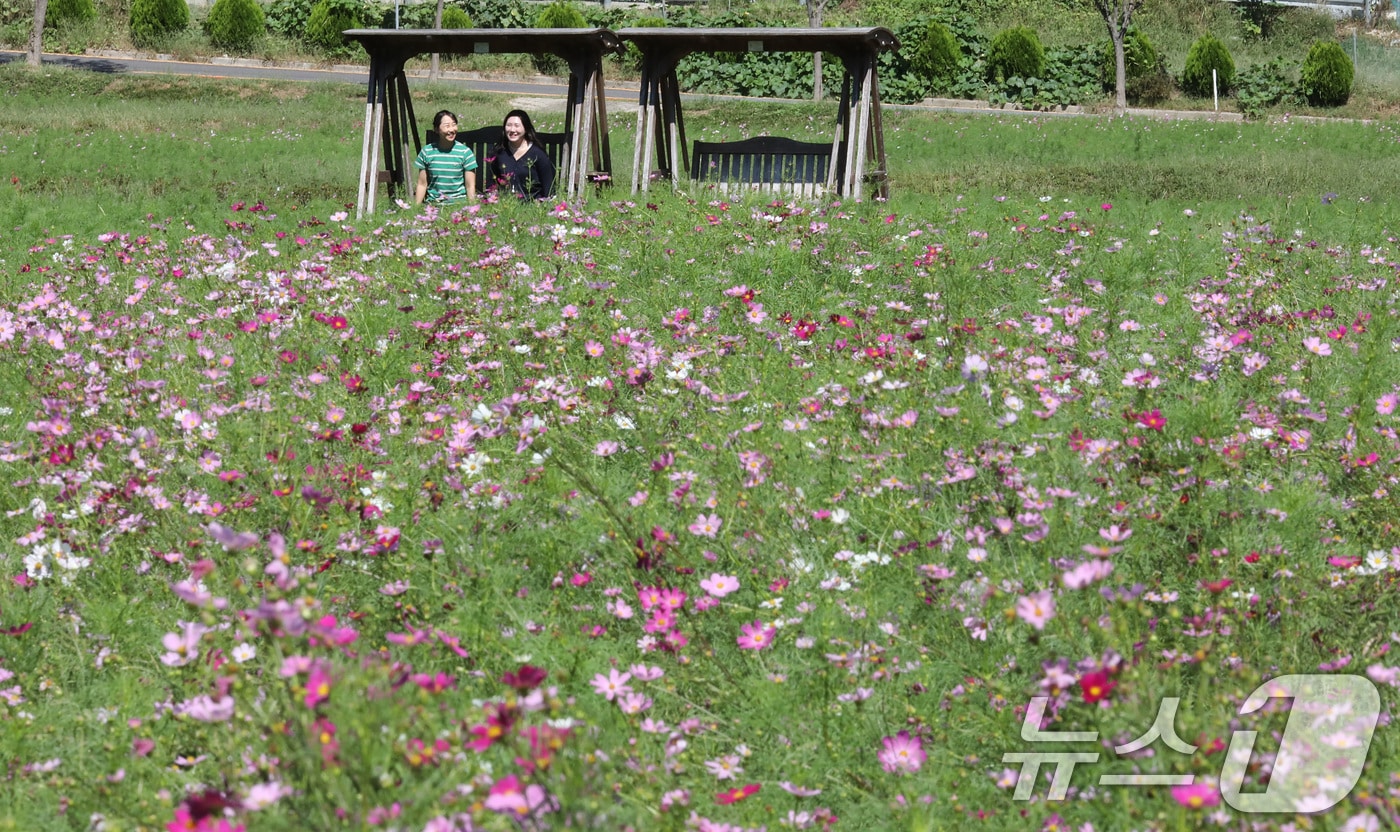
(398, 45)
(836, 41)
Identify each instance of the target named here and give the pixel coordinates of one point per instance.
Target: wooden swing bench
(483, 140)
(764, 163)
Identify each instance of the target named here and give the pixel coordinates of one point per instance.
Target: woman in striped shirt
(445, 169)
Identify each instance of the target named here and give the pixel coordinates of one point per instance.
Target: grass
(299, 507)
(168, 143)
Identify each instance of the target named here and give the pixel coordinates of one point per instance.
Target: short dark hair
(441, 114)
(530, 135)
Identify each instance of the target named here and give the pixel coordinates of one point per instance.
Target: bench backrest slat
(769, 162)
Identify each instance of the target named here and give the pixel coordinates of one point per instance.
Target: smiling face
(515, 130)
(447, 129)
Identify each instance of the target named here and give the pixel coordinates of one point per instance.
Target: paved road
(359, 76)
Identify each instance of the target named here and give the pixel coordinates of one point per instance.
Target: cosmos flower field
(690, 514)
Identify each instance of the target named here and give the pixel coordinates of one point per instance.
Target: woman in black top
(518, 162)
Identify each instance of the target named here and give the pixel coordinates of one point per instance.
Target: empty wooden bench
(767, 163)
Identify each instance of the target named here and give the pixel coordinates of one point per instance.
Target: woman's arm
(422, 187)
(545, 169)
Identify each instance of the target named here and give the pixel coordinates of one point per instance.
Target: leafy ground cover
(684, 512)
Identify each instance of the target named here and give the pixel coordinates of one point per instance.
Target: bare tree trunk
(1120, 81)
(815, 9)
(437, 24)
(1118, 16)
(36, 37)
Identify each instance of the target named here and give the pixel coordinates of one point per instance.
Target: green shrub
(497, 14)
(1327, 75)
(936, 57)
(155, 20)
(328, 19)
(63, 12)
(235, 25)
(1015, 53)
(561, 14)
(1264, 85)
(1139, 59)
(1206, 54)
(455, 18)
(288, 17)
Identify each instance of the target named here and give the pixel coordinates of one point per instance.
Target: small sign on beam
(755, 46)
(481, 48)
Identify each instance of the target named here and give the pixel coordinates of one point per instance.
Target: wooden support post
(877, 127)
(602, 147)
(572, 127)
(377, 116)
(855, 152)
(648, 131)
(367, 174)
(638, 178)
(583, 137)
(842, 124)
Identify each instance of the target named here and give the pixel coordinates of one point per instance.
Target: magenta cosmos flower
(755, 636)
(902, 753)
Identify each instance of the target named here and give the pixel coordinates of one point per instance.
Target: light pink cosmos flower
(644, 673)
(1386, 404)
(1316, 346)
(798, 791)
(612, 685)
(902, 753)
(755, 636)
(634, 703)
(706, 526)
(183, 647)
(207, 709)
(725, 768)
(508, 797)
(719, 585)
(1036, 609)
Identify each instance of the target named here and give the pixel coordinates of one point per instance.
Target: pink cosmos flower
(706, 526)
(902, 753)
(1386, 404)
(649, 596)
(672, 599)
(719, 585)
(613, 685)
(318, 687)
(1036, 609)
(755, 636)
(1196, 795)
